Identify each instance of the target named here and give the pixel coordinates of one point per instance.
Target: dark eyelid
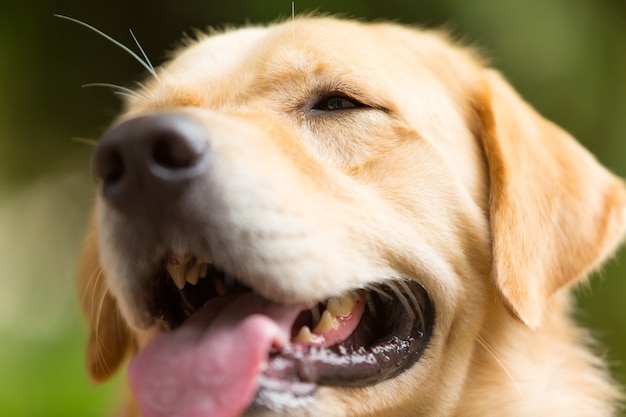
(322, 102)
(327, 94)
(322, 91)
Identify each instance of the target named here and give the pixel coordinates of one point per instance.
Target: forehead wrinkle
(311, 69)
(234, 67)
(298, 58)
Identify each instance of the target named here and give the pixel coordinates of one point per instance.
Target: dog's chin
(359, 338)
(269, 402)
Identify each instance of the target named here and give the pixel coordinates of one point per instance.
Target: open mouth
(361, 338)
(232, 345)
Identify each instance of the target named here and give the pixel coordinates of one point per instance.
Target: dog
(324, 217)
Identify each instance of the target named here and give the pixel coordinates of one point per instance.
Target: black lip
(387, 341)
(390, 337)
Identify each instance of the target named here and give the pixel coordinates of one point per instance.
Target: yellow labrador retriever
(330, 218)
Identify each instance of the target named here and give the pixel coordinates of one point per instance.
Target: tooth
(177, 272)
(192, 274)
(327, 322)
(178, 258)
(204, 270)
(206, 258)
(304, 335)
(341, 306)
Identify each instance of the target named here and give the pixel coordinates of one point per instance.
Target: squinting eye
(337, 102)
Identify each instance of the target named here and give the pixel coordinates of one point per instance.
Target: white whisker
(402, 299)
(293, 19)
(370, 305)
(416, 304)
(143, 53)
(85, 141)
(492, 353)
(140, 84)
(120, 90)
(115, 42)
(377, 290)
(98, 300)
(120, 93)
(96, 276)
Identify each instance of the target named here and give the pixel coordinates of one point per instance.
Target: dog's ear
(110, 338)
(555, 212)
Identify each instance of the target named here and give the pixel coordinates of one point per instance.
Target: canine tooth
(341, 306)
(192, 274)
(327, 322)
(304, 335)
(177, 273)
(204, 270)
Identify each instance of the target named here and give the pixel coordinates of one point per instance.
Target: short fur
(448, 178)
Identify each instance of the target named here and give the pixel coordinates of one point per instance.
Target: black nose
(149, 159)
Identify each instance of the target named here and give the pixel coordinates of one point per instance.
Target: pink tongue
(209, 366)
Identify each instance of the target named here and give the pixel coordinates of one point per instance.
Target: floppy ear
(556, 213)
(110, 338)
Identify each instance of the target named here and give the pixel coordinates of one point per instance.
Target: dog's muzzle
(224, 345)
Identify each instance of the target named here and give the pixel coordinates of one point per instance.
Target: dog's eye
(337, 102)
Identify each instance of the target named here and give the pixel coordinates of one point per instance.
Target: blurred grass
(43, 338)
(46, 378)
(567, 57)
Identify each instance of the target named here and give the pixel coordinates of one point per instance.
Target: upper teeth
(184, 268)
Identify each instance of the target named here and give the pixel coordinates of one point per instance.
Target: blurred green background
(567, 57)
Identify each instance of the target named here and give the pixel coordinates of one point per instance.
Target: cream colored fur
(449, 178)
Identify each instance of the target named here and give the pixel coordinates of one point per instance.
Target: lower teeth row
(186, 269)
(336, 307)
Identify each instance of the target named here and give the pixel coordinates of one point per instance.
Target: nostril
(109, 165)
(172, 151)
(149, 159)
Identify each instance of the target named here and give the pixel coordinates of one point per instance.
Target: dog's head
(324, 217)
